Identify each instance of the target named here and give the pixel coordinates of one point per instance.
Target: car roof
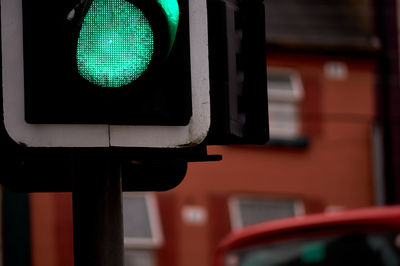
(375, 217)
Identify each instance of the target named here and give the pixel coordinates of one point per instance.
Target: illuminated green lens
(115, 44)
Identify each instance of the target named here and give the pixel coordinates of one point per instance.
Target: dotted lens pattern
(115, 44)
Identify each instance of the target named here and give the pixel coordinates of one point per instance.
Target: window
(247, 210)
(285, 90)
(142, 229)
(139, 257)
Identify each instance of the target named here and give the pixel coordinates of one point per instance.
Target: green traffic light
(115, 44)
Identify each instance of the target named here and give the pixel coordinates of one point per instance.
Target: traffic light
(237, 52)
(157, 80)
(100, 73)
(134, 73)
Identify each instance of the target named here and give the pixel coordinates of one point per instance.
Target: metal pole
(97, 210)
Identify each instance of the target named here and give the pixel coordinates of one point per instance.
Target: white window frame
(235, 212)
(285, 100)
(296, 94)
(156, 239)
(284, 129)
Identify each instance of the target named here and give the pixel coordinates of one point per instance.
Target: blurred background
(334, 110)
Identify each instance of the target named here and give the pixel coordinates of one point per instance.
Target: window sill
(298, 142)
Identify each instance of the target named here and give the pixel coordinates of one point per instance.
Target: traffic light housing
(124, 73)
(134, 73)
(198, 83)
(237, 52)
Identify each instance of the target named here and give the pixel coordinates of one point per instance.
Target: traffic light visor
(171, 10)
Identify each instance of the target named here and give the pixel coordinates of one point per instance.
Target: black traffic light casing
(213, 75)
(239, 101)
(49, 103)
(56, 93)
(216, 78)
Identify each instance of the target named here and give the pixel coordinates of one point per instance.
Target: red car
(365, 237)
